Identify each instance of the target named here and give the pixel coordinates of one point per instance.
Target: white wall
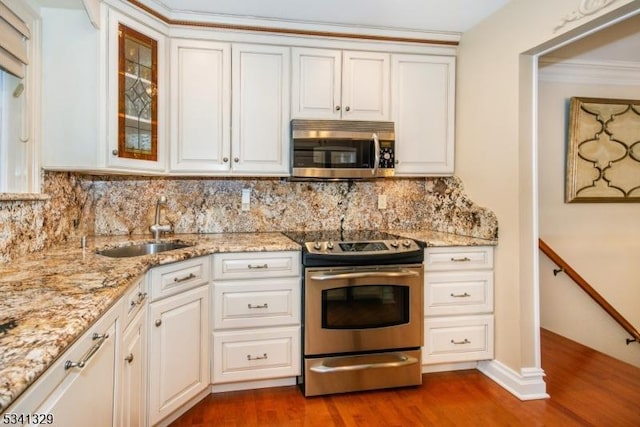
(495, 157)
(601, 241)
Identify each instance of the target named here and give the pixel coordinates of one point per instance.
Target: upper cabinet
(140, 95)
(103, 93)
(200, 118)
(423, 109)
(334, 84)
(136, 95)
(260, 109)
(213, 131)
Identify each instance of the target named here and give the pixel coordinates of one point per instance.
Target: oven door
(360, 309)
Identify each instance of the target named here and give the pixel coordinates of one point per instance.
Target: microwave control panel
(387, 155)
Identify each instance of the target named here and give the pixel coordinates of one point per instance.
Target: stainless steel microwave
(342, 149)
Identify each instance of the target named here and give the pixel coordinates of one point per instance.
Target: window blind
(14, 34)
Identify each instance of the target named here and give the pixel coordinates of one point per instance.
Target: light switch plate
(246, 199)
(382, 201)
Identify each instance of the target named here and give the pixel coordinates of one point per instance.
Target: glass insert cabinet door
(137, 95)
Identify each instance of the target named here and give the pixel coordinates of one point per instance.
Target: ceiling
(421, 15)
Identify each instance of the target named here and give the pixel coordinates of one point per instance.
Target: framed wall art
(603, 156)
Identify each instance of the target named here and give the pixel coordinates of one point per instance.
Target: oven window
(365, 307)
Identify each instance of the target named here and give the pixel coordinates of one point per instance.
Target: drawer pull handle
(158, 323)
(140, 297)
(129, 358)
(185, 278)
(253, 266)
(101, 338)
(265, 305)
(466, 341)
(465, 295)
(264, 356)
(465, 259)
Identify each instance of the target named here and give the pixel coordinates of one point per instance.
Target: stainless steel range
(362, 311)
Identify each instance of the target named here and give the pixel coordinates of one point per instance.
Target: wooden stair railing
(563, 266)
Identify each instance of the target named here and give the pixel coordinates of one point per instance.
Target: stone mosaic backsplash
(106, 205)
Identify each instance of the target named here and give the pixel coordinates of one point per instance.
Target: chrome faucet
(157, 228)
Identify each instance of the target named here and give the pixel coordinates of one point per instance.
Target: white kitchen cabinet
(78, 389)
(200, 106)
(458, 301)
(256, 316)
(133, 358)
(178, 335)
(80, 103)
(332, 84)
(423, 110)
(260, 82)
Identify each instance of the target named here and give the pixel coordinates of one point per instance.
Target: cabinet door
(136, 96)
(201, 106)
(316, 81)
(423, 94)
(86, 394)
(133, 396)
(260, 87)
(365, 86)
(178, 351)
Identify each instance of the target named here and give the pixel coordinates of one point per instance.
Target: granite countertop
(50, 298)
(437, 238)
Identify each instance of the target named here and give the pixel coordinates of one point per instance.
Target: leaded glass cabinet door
(137, 95)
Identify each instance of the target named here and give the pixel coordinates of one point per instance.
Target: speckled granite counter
(48, 299)
(437, 238)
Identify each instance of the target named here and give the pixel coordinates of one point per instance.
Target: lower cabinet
(256, 317)
(458, 309)
(178, 336)
(78, 389)
(133, 386)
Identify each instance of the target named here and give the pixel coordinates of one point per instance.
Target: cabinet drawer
(458, 258)
(134, 299)
(256, 265)
(452, 292)
(458, 339)
(270, 302)
(178, 277)
(254, 355)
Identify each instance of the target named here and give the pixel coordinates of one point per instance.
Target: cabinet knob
(348, 109)
(158, 322)
(114, 152)
(397, 162)
(129, 358)
(236, 159)
(337, 108)
(225, 159)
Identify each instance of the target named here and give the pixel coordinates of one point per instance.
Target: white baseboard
(527, 385)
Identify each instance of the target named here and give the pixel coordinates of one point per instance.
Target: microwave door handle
(376, 159)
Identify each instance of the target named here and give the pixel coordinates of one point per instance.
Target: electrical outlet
(246, 199)
(382, 201)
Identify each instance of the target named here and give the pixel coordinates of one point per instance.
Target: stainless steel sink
(141, 249)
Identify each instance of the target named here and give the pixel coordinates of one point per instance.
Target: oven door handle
(401, 360)
(402, 272)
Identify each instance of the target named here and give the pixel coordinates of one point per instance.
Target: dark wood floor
(587, 388)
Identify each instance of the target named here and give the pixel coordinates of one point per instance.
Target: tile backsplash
(103, 205)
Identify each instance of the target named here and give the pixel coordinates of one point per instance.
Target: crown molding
(577, 71)
(224, 22)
